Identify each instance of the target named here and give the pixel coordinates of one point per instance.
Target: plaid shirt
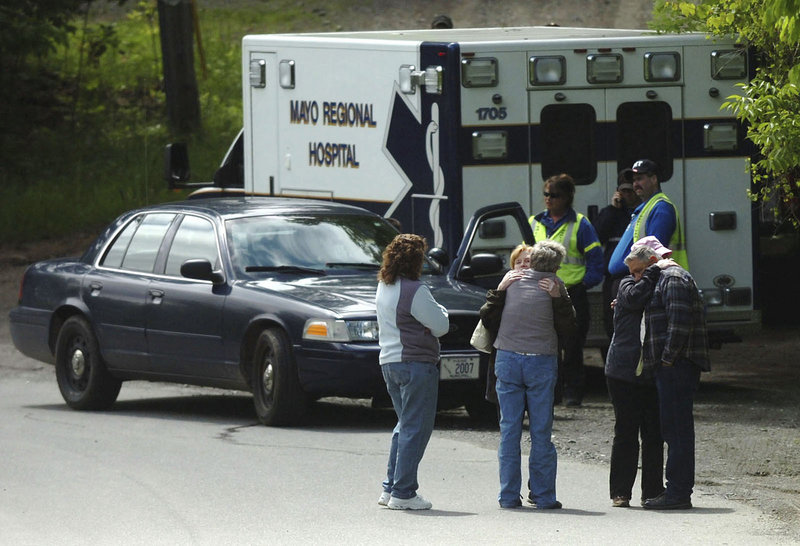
(676, 322)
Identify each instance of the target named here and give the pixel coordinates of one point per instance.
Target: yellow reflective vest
(573, 268)
(676, 244)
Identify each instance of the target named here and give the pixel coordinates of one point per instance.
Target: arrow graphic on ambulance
(411, 145)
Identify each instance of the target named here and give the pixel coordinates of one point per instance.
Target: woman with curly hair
(409, 322)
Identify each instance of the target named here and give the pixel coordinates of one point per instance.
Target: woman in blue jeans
(527, 369)
(409, 322)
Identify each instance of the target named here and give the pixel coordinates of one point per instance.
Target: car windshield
(307, 245)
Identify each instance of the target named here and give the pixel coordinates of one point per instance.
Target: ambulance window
(644, 132)
(568, 142)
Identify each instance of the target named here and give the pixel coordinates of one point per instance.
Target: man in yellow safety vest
(656, 216)
(581, 269)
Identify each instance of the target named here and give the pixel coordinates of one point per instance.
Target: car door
(184, 316)
(491, 234)
(115, 291)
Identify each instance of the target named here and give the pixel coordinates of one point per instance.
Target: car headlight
(341, 330)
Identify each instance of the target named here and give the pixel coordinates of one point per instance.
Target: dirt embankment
(381, 15)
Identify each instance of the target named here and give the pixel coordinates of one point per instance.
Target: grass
(82, 133)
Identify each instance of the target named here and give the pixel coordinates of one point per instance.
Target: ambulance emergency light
(729, 64)
(547, 70)
(604, 68)
(479, 72)
(662, 66)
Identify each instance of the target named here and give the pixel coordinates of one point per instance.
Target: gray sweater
(526, 325)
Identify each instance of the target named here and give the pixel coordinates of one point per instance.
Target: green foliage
(33, 27)
(83, 125)
(769, 104)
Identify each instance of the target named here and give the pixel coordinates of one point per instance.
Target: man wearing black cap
(610, 224)
(656, 216)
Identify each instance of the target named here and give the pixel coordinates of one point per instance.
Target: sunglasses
(552, 195)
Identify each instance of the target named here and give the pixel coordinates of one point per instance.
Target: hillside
(380, 14)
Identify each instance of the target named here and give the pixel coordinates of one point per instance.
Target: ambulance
(429, 127)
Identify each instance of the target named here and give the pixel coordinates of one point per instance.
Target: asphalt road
(177, 465)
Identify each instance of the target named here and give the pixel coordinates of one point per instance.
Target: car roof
(233, 207)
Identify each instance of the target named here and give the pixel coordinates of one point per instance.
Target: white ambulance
(428, 126)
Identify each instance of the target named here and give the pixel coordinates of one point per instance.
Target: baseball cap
(653, 242)
(645, 166)
(625, 179)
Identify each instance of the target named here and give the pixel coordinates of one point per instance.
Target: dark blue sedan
(271, 296)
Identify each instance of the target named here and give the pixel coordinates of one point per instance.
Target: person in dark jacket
(610, 224)
(492, 311)
(633, 394)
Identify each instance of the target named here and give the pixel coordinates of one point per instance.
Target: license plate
(460, 367)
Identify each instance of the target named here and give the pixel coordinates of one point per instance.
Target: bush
(83, 128)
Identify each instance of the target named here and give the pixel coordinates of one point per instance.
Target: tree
(176, 23)
(33, 27)
(769, 105)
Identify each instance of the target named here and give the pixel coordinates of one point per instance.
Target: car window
(143, 247)
(194, 239)
(568, 143)
(116, 251)
(319, 242)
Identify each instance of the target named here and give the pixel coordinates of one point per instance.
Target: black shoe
(555, 506)
(661, 502)
(572, 402)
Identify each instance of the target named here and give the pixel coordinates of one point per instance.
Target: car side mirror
(486, 264)
(176, 164)
(201, 270)
(440, 257)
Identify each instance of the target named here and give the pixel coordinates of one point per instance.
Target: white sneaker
(414, 503)
(384, 498)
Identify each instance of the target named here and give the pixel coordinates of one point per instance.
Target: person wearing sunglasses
(581, 270)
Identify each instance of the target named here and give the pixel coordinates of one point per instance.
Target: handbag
(481, 338)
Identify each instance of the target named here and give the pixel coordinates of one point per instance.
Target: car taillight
(21, 284)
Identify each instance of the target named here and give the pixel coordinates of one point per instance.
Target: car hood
(355, 294)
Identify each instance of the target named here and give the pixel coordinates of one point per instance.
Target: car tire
(277, 396)
(82, 377)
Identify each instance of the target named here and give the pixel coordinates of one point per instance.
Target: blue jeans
(414, 389)
(676, 386)
(527, 379)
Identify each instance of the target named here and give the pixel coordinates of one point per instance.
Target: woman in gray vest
(409, 322)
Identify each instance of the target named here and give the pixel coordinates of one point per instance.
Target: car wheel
(83, 379)
(277, 395)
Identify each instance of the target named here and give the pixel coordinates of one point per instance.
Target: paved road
(177, 465)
